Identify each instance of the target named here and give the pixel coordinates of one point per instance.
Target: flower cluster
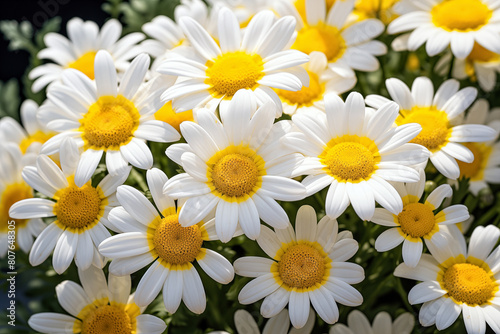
(273, 140)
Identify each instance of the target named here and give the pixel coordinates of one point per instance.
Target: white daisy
(484, 170)
(237, 166)
(347, 47)
(279, 324)
(454, 281)
(30, 137)
(355, 151)
(417, 220)
(79, 211)
(148, 235)
(322, 80)
(382, 324)
(14, 189)
(254, 60)
(308, 266)
(79, 51)
(102, 117)
(97, 307)
(458, 23)
(244, 10)
(440, 116)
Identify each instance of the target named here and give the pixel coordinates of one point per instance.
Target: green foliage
(9, 99)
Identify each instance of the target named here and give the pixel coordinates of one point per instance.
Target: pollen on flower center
(109, 123)
(11, 194)
(307, 95)
(469, 283)
(37, 137)
(79, 208)
(235, 172)
(85, 64)
(350, 158)
(107, 319)
(233, 71)
(176, 244)
(416, 220)
(481, 54)
(461, 15)
(475, 169)
(168, 115)
(301, 266)
(322, 38)
(435, 126)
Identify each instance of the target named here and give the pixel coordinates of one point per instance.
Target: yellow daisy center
(375, 9)
(233, 71)
(109, 123)
(322, 38)
(107, 319)
(300, 5)
(481, 54)
(235, 173)
(78, 209)
(307, 95)
(175, 244)
(350, 158)
(475, 169)
(469, 283)
(13, 193)
(416, 220)
(168, 115)
(85, 64)
(435, 126)
(38, 137)
(301, 266)
(461, 15)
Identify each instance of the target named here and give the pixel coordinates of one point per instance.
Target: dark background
(14, 63)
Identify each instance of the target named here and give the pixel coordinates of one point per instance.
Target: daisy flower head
(306, 266)
(150, 235)
(484, 169)
(80, 212)
(386, 10)
(13, 189)
(322, 80)
(254, 59)
(347, 46)
(104, 117)
(79, 51)
(97, 306)
(417, 220)
(236, 166)
(440, 116)
(28, 137)
(279, 324)
(456, 23)
(355, 151)
(455, 280)
(382, 324)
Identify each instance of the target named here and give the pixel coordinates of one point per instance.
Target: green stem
(137, 177)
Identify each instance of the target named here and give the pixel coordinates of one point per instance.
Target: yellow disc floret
(235, 172)
(481, 54)
(11, 194)
(168, 115)
(460, 15)
(107, 319)
(417, 220)
(109, 123)
(475, 169)
(301, 266)
(175, 244)
(435, 126)
(85, 64)
(307, 95)
(322, 38)
(381, 9)
(233, 71)
(77, 208)
(469, 283)
(37, 137)
(350, 158)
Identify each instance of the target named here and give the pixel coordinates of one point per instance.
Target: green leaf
(9, 99)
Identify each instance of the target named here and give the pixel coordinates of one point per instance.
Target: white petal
(125, 245)
(217, 267)
(87, 166)
(257, 289)
(388, 240)
(299, 307)
(412, 251)
(424, 292)
(105, 74)
(44, 244)
(72, 297)
(136, 204)
(150, 284)
(137, 153)
(32, 208)
(64, 251)
(147, 323)
(194, 296)
(252, 266)
(172, 291)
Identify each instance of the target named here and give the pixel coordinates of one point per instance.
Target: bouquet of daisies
(240, 166)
